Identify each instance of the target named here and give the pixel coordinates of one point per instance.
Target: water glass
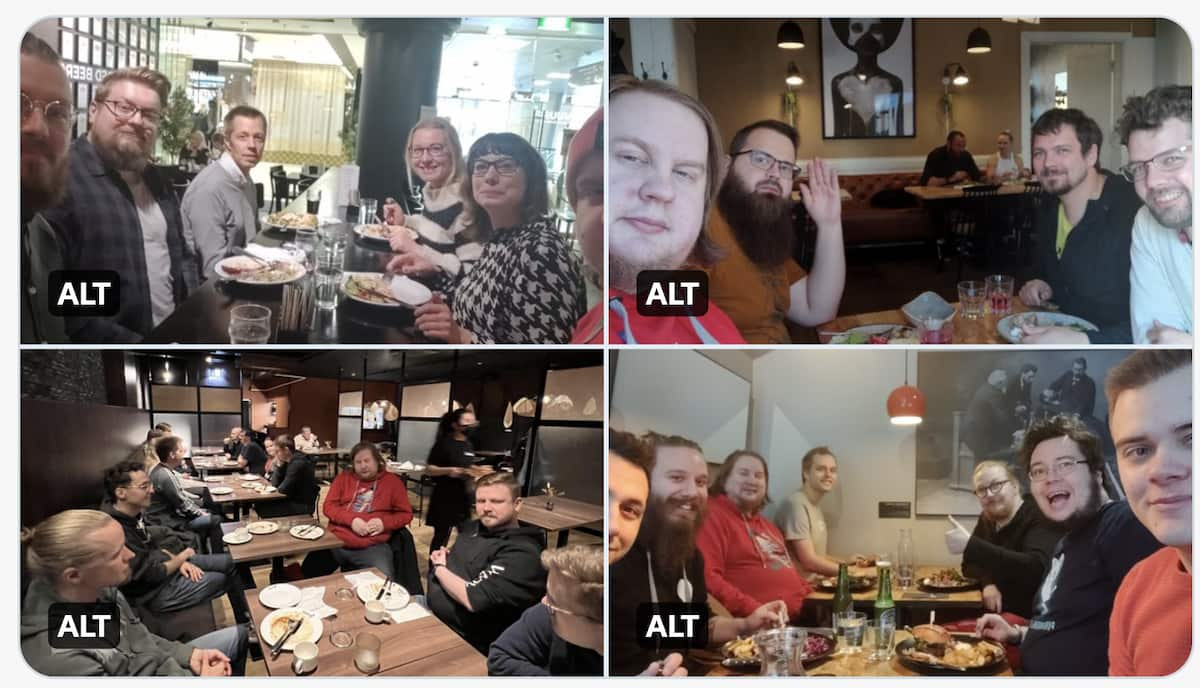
(782, 651)
(306, 241)
(367, 211)
(1000, 294)
(249, 323)
(936, 332)
(850, 628)
(367, 648)
(882, 638)
(328, 280)
(971, 296)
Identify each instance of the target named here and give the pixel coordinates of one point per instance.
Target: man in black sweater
(253, 457)
(295, 477)
(951, 163)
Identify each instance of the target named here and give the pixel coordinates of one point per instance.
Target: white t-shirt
(1007, 166)
(1160, 277)
(158, 255)
(800, 519)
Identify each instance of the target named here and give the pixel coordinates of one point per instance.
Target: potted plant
(176, 123)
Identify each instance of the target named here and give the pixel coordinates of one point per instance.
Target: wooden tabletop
(978, 331)
(242, 495)
(280, 543)
(942, 193)
(913, 595)
(567, 513)
(325, 452)
(217, 466)
(423, 647)
(207, 451)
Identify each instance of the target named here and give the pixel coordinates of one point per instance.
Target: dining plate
(214, 479)
(221, 490)
(894, 334)
(818, 646)
(857, 584)
(905, 650)
(275, 624)
(1009, 326)
(927, 585)
(307, 532)
(382, 233)
(235, 539)
(365, 287)
(263, 527)
(396, 597)
(289, 221)
(248, 271)
(280, 595)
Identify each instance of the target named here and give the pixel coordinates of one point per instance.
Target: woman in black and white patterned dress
(527, 287)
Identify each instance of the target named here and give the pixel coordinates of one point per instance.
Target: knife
(383, 588)
(293, 626)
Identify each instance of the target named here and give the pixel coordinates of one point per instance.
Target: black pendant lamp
(790, 36)
(978, 41)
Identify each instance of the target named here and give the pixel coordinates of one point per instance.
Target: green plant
(176, 123)
(349, 132)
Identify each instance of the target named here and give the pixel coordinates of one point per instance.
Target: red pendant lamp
(906, 404)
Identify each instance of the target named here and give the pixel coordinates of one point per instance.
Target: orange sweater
(1150, 629)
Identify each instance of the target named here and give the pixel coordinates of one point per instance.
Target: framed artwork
(867, 78)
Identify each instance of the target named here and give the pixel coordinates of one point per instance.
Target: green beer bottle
(842, 601)
(885, 608)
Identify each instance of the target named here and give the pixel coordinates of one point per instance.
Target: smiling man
(1150, 414)
(800, 517)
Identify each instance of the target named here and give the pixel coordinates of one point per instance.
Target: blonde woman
(1005, 165)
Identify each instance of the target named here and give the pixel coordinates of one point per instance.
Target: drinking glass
(367, 648)
(972, 296)
(328, 281)
(882, 637)
(999, 294)
(249, 323)
(782, 651)
(367, 211)
(313, 196)
(936, 331)
(850, 628)
(306, 241)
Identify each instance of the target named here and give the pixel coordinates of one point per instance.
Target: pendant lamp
(906, 404)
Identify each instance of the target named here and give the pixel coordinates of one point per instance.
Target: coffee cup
(305, 658)
(376, 613)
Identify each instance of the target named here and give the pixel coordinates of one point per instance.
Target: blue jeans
(379, 556)
(208, 526)
(180, 592)
(231, 641)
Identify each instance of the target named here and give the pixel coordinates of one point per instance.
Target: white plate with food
(379, 289)
(377, 232)
(214, 479)
(275, 625)
(396, 597)
(307, 532)
(235, 539)
(246, 270)
(263, 527)
(221, 490)
(287, 220)
(1009, 326)
(877, 334)
(280, 596)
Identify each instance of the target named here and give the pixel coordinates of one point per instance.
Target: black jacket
(504, 575)
(1013, 558)
(256, 458)
(298, 480)
(939, 163)
(530, 648)
(1091, 280)
(148, 568)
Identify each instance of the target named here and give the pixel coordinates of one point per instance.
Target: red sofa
(863, 224)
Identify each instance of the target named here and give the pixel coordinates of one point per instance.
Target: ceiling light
(790, 36)
(793, 75)
(558, 75)
(541, 82)
(978, 41)
(496, 31)
(906, 404)
(554, 23)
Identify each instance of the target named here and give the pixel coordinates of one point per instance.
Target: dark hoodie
(531, 648)
(504, 575)
(1013, 558)
(148, 568)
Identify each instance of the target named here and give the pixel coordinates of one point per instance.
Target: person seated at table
(172, 506)
(564, 635)
(145, 451)
(216, 144)
(269, 448)
(493, 573)
(1157, 130)
(449, 458)
(801, 520)
(1005, 165)
(296, 477)
(664, 172)
(745, 557)
(253, 458)
(951, 163)
(364, 507)
(526, 288)
(665, 559)
(1010, 547)
(1150, 415)
(585, 192)
(168, 575)
(80, 556)
(306, 441)
(758, 283)
(1081, 259)
(220, 206)
(233, 443)
(444, 250)
(1103, 540)
(194, 155)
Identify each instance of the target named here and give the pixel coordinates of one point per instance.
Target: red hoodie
(746, 563)
(350, 497)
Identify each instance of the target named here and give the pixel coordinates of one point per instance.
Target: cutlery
(383, 588)
(239, 251)
(376, 292)
(293, 626)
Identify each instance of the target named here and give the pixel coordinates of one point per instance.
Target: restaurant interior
(978, 76)
(540, 416)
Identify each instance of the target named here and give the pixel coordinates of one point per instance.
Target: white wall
(802, 399)
(1172, 54)
(656, 44)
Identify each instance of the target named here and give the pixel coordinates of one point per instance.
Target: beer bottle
(842, 601)
(885, 608)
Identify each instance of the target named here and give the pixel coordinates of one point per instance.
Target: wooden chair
(970, 223)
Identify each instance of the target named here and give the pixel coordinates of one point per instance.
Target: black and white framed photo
(867, 78)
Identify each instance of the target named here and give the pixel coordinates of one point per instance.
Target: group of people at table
(1081, 582)
(1113, 249)
(155, 547)
(485, 238)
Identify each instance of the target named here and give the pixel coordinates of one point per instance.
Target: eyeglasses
(1167, 161)
(56, 113)
(1039, 474)
(765, 161)
(437, 150)
(991, 490)
(559, 610)
(505, 167)
(124, 110)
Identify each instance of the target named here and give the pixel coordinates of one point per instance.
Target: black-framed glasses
(765, 161)
(57, 113)
(1166, 161)
(505, 167)
(992, 489)
(436, 150)
(124, 110)
(1039, 473)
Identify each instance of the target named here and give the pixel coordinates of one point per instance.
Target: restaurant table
(241, 496)
(207, 451)
(334, 455)
(566, 514)
(946, 193)
(853, 665)
(216, 466)
(978, 331)
(280, 543)
(902, 596)
(421, 647)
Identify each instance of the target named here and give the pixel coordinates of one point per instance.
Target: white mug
(376, 612)
(305, 658)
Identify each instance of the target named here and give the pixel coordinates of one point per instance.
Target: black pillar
(399, 76)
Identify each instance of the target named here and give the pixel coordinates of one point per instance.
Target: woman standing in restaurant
(1005, 164)
(447, 464)
(527, 287)
(442, 250)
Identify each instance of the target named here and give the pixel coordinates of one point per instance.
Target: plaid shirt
(98, 227)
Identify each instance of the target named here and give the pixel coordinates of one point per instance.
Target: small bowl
(928, 307)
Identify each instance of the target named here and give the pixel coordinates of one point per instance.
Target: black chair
(281, 188)
(260, 194)
(968, 229)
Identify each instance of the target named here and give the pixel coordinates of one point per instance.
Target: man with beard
(986, 424)
(120, 214)
(1081, 261)
(1020, 397)
(758, 283)
(1068, 634)
(951, 163)
(1157, 129)
(45, 131)
(1076, 390)
(664, 565)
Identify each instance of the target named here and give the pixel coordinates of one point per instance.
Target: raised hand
(822, 195)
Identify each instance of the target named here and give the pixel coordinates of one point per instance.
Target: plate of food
(857, 584)
(1009, 326)
(379, 289)
(280, 596)
(288, 220)
(275, 625)
(948, 580)
(396, 597)
(263, 527)
(375, 232)
(877, 334)
(742, 655)
(214, 479)
(247, 270)
(236, 539)
(221, 490)
(309, 532)
(934, 651)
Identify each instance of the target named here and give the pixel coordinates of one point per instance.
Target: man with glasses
(758, 283)
(120, 214)
(1102, 541)
(951, 163)
(45, 132)
(1157, 130)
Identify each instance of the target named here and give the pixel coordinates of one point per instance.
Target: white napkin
(407, 465)
(360, 577)
(268, 253)
(411, 612)
(312, 600)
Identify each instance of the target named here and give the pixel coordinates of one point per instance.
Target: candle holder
(551, 492)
